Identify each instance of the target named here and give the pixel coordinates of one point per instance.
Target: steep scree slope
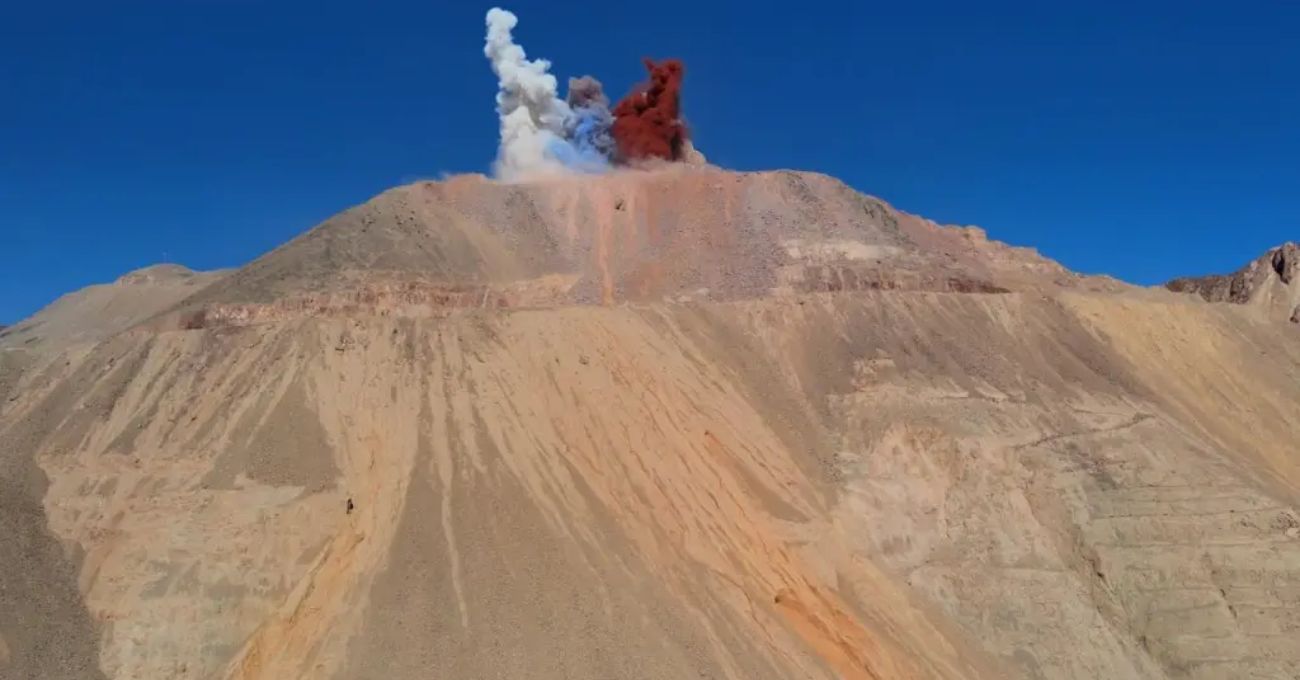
(808, 437)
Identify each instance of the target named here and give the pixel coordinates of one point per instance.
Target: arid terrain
(1270, 283)
(667, 424)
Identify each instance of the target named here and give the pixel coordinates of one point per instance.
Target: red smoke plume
(647, 123)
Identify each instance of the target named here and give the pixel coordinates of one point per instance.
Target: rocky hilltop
(684, 423)
(1271, 283)
(96, 312)
(678, 234)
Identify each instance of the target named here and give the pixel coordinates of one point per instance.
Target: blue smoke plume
(589, 127)
(589, 130)
(577, 158)
(587, 144)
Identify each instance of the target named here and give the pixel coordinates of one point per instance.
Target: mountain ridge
(672, 234)
(1270, 282)
(737, 426)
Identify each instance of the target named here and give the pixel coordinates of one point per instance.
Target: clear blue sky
(1145, 140)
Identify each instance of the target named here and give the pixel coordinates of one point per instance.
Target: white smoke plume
(532, 115)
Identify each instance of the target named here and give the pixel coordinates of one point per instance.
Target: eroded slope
(846, 485)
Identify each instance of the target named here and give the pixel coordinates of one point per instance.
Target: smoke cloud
(647, 123)
(588, 128)
(587, 92)
(532, 116)
(541, 133)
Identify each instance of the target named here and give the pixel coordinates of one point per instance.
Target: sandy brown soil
(96, 312)
(771, 429)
